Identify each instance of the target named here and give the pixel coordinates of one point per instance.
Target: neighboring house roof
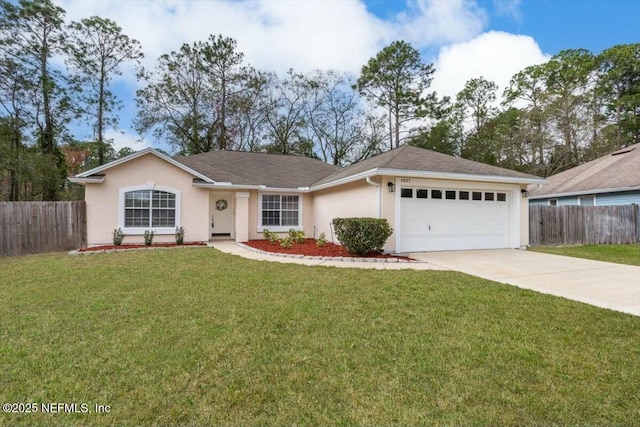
(618, 171)
(414, 159)
(249, 168)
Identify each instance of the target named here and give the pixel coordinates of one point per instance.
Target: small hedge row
(362, 235)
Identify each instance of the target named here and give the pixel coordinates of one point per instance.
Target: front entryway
(220, 215)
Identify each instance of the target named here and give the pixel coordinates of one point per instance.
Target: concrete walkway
(602, 284)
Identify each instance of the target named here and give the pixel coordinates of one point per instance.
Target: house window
(488, 197)
(587, 200)
(553, 202)
(436, 194)
(502, 197)
(463, 195)
(149, 209)
(476, 195)
(450, 195)
(280, 210)
(422, 194)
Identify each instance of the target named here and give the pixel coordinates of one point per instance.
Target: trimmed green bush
(179, 235)
(118, 236)
(362, 235)
(148, 237)
(286, 242)
(270, 236)
(296, 235)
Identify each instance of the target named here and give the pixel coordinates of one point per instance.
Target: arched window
(149, 209)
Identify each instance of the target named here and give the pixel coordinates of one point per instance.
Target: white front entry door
(220, 215)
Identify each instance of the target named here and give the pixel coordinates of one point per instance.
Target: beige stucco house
(433, 201)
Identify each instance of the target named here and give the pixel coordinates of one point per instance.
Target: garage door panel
(437, 224)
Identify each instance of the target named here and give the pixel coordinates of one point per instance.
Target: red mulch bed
(155, 245)
(310, 248)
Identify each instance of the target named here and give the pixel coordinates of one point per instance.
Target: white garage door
(440, 219)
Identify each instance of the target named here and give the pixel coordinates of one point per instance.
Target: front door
(220, 215)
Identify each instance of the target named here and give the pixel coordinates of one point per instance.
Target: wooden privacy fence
(583, 225)
(35, 227)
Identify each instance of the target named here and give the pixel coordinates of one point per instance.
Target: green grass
(198, 337)
(621, 254)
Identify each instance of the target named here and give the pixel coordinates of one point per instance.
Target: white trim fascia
(281, 190)
(229, 186)
(87, 180)
(584, 193)
(428, 174)
(459, 176)
(139, 154)
(351, 178)
(225, 186)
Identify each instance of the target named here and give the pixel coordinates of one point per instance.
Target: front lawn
(621, 254)
(198, 337)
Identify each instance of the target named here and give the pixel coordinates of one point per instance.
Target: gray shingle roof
(620, 169)
(412, 158)
(248, 168)
(281, 171)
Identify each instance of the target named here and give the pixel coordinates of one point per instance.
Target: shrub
(287, 242)
(118, 236)
(270, 236)
(296, 236)
(148, 237)
(321, 240)
(179, 235)
(362, 235)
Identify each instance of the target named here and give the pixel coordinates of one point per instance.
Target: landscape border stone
(323, 258)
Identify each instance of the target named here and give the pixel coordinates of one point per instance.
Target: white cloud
(429, 22)
(123, 139)
(304, 35)
(495, 55)
(278, 35)
(273, 35)
(508, 8)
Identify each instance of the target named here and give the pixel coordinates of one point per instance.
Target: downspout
(379, 195)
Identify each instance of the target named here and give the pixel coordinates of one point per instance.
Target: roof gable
(616, 171)
(86, 176)
(409, 158)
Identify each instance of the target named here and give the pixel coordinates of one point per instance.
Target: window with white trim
(280, 210)
(149, 209)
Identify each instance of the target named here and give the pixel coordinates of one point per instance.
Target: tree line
(57, 76)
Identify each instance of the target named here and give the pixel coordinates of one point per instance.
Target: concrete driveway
(603, 284)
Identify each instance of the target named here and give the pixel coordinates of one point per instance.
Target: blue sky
(464, 39)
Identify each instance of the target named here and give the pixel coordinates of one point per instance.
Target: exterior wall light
(391, 186)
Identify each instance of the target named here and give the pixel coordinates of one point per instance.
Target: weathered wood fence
(583, 225)
(35, 227)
